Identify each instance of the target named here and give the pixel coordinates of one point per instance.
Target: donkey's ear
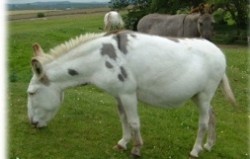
(37, 67)
(38, 51)
(212, 8)
(38, 70)
(202, 8)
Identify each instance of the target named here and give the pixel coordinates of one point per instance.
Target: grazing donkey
(113, 21)
(182, 25)
(131, 66)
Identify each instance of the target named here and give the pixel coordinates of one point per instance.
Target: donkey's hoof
(135, 156)
(195, 151)
(192, 157)
(119, 148)
(208, 147)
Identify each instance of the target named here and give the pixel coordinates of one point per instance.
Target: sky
(31, 1)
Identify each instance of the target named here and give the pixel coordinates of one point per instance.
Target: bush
(40, 15)
(228, 34)
(133, 18)
(139, 9)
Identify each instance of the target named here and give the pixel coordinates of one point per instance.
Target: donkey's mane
(68, 45)
(72, 43)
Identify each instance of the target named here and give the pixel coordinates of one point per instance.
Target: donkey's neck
(190, 25)
(75, 67)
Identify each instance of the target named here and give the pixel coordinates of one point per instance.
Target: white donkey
(113, 21)
(130, 66)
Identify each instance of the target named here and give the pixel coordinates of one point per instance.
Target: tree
(238, 9)
(119, 4)
(172, 6)
(140, 8)
(136, 10)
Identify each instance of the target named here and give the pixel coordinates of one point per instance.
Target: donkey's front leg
(129, 103)
(126, 131)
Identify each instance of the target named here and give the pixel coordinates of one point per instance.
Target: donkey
(131, 66)
(182, 25)
(113, 21)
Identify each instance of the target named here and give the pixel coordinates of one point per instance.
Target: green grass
(87, 125)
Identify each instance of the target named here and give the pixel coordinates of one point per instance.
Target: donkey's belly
(164, 99)
(170, 94)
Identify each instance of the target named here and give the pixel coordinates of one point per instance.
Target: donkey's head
(44, 96)
(205, 22)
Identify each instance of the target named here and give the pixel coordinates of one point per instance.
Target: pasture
(87, 125)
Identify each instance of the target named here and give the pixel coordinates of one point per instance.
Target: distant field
(28, 14)
(21, 12)
(87, 125)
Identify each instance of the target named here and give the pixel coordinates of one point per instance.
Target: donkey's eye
(31, 93)
(201, 23)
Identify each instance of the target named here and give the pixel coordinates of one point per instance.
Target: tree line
(238, 10)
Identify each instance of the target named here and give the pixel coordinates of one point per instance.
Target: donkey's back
(162, 24)
(182, 25)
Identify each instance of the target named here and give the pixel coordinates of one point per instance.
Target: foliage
(238, 9)
(163, 6)
(234, 13)
(223, 17)
(228, 34)
(139, 9)
(136, 10)
(118, 4)
(87, 125)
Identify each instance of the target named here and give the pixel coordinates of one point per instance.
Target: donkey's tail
(228, 91)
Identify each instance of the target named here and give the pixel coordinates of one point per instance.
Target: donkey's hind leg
(126, 131)
(203, 102)
(211, 136)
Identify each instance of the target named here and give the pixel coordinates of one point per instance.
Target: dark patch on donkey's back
(109, 50)
(120, 77)
(123, 72)
(122, 40)
(123, 75)
(72, 72)
(108, 64)
(173, 39)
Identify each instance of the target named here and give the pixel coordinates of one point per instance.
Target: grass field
(87, 125)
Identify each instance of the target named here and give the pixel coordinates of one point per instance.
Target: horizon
(33, 1)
